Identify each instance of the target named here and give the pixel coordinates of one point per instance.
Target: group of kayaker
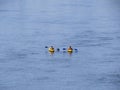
(51, 49)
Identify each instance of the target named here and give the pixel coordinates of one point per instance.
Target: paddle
(76, 49)
(58, 49)
(64, 48)
(46, 46)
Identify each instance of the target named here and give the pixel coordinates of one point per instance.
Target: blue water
(91, 26)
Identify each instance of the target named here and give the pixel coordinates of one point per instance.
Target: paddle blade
(64, 48)
(46, 46)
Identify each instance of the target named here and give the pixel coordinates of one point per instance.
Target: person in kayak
(51, 49)
(70, 49)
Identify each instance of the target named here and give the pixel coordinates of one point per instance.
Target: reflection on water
(51, 53)
(90, 27)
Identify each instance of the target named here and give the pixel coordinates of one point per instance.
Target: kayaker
(70, 49)
(51, 49)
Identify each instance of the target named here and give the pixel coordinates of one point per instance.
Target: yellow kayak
(70, 50)
(51, 50)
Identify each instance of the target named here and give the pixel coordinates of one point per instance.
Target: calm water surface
(91, 26)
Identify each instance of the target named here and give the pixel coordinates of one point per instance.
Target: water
(91, 26)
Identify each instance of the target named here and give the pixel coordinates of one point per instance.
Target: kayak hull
(51, 50)
(70, 50)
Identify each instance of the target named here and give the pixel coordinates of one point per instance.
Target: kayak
(70, 50)
(51, 50)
